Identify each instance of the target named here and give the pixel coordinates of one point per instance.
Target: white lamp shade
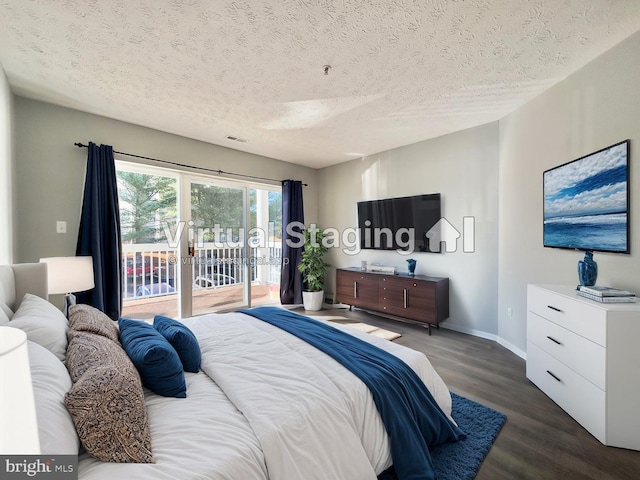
(69, 274)
(18, 421)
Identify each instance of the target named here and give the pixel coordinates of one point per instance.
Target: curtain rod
(219, 172)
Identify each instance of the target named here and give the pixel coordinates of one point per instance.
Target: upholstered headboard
(16, 280)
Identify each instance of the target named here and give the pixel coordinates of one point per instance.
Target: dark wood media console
(419, 298)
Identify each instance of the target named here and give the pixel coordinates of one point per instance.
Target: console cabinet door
(421, 299)
(409, 298)
(393, 294)
(354, 288)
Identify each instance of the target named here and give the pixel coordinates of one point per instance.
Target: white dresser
(585, 356)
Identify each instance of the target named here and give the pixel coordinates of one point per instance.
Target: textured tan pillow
(89, 319)
(106, 401)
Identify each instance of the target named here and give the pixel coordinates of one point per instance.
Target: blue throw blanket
(412, 418)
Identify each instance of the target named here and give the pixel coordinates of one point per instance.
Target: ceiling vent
(236, 139)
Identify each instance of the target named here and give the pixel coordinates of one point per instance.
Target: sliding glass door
(196, 244)
(265, 244)
(236, 245)
(148, 201)
(218, 246)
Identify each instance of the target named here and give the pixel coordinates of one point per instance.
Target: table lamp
(69, 274)
(18, 420)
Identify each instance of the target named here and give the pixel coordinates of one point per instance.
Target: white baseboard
(470, 331)
(489, 336)
(510, 346)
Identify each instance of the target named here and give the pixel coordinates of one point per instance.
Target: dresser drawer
(585, 318)
(577, 396)
(583, 356)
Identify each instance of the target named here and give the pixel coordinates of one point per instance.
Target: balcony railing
(151, 270)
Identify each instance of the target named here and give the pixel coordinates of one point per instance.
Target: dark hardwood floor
(539, 440)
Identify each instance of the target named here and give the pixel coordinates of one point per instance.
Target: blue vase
(411, 265)
(587, 270)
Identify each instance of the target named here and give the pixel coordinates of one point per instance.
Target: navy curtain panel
(292, 211)
(99, 233)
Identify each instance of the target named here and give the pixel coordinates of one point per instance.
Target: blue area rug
(461, 460)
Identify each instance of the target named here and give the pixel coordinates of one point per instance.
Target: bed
(263, 405)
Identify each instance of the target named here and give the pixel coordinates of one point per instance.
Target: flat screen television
(398, 223)
(586, 202)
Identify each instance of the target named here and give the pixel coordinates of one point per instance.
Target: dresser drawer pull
(554, 376)
(405, 295)
(355, 289)
(554, 340)
(554, 308)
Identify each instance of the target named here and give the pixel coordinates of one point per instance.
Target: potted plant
(313, 267)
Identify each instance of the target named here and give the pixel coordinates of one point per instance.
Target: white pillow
(51, 382)
(43, 323)
(5, 312)
(4, 318)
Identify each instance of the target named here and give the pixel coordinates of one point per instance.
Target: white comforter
(277, 408)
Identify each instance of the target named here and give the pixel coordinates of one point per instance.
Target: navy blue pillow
(182, 339)
(157, 361)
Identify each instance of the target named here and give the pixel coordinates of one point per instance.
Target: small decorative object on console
(587, 269)
(411, 265)
(381, 269)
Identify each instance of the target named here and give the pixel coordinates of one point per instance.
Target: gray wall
(50, 169)
(463, 167)
(6, 171)
(595, 107)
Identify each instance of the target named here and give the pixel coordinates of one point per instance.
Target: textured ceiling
(401, 71)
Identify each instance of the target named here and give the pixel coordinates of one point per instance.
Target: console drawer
(586, 319)
(583, 356)
(577, 396)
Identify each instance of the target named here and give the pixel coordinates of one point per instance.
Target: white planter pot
(313, 300)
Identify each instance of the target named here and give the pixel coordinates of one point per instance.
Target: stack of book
(605, 294)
